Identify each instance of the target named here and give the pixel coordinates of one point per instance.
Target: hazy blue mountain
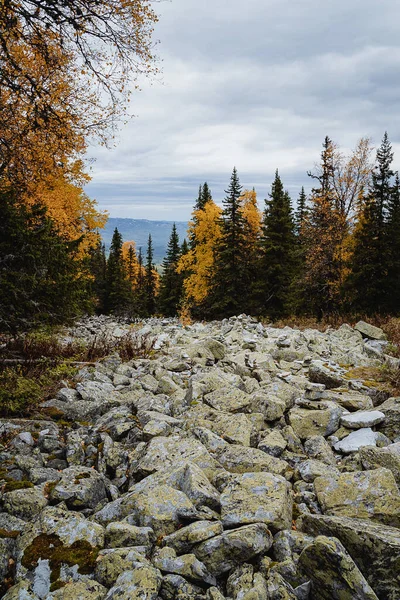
(138, 230)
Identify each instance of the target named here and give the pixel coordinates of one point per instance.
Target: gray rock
(361, 419)
(79, 487)
(356, 440)
(183, 540)
(375, 548)
(333, 573)
(143, 583)
(370, 331)
(367, 494)
(389, 457)
(257, 498)
(24, 503)
(225, 551)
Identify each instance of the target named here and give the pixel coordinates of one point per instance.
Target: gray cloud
(256, 85)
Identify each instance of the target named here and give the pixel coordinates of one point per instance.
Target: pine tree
(139, 295)
(150, 280)
(393, 249)
(203, 198)
(171, 283)
(184, 247)
(278, 251)
(118, 294)
(369, 266)
(230, 281)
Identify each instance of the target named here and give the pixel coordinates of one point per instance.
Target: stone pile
(238, 462)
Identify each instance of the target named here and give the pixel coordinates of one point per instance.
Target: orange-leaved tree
(198, 263)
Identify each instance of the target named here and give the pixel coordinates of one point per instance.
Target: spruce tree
(139, 294)
(41, 278)
(98, 267)
(278, 251)
(184, 247)
(150, 280)
(323, 237)
(202, 199)
(393, 249)
(171, 284)
(230, 280)
(368, 281)
(118, 293)
(301, 213)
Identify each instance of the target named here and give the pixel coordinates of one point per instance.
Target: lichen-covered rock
(142, 583)
(79, 487)
(55, 538)
(333, 573)
(121, 535)
(321, 421)
(112, 562)
(80, 590)
(25, 503)
(370, 331)
(231, 548)
(186, 565)
(368, 494)
(183, 540)
(228, 399)
(165, 452)
(310, 469)
(317, 447)
(389, 457)
(244, 583)
(257, 498)
(318, 373)
(375, 548)
(391, 425)
(21, 591)
(160, 508)
(273, 443)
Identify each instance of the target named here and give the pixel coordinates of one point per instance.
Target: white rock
(365, 418)
(356, 440)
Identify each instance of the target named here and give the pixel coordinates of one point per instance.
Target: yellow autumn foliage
(199, 261)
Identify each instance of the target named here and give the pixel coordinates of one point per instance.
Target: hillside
(139, 229)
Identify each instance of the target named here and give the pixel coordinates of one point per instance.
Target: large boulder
(375, 549)
(362, 494)
(142, 583)
(333, 573)
(323, 420)
(389, 457)
(370, 331)
(231, 548)
(257, 498)
(79, 487)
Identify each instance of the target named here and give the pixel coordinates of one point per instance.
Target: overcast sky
(256, 84)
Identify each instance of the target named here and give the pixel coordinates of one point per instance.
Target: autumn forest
(66, 74)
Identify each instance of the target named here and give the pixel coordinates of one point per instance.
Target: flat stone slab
(356, 440)
(364, 418)
(370, 331)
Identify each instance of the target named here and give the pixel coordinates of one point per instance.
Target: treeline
(333, 252)
(338, 252)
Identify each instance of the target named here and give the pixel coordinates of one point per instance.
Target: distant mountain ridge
(138, 230)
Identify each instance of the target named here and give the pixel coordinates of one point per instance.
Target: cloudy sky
(256, 84)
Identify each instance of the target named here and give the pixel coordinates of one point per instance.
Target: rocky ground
(239, 461)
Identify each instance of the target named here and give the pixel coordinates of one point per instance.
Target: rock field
(238, 462)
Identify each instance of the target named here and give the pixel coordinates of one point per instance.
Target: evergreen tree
(171, 283)
(97, 268)
(278, 251)
(393, 249)
(150, 280)
(369, 279)
(41, 278)
(323, 237)
(184, 247)
(301, 213)
(230, 281)
(203, 197)
(118, 294)
(139, 295)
